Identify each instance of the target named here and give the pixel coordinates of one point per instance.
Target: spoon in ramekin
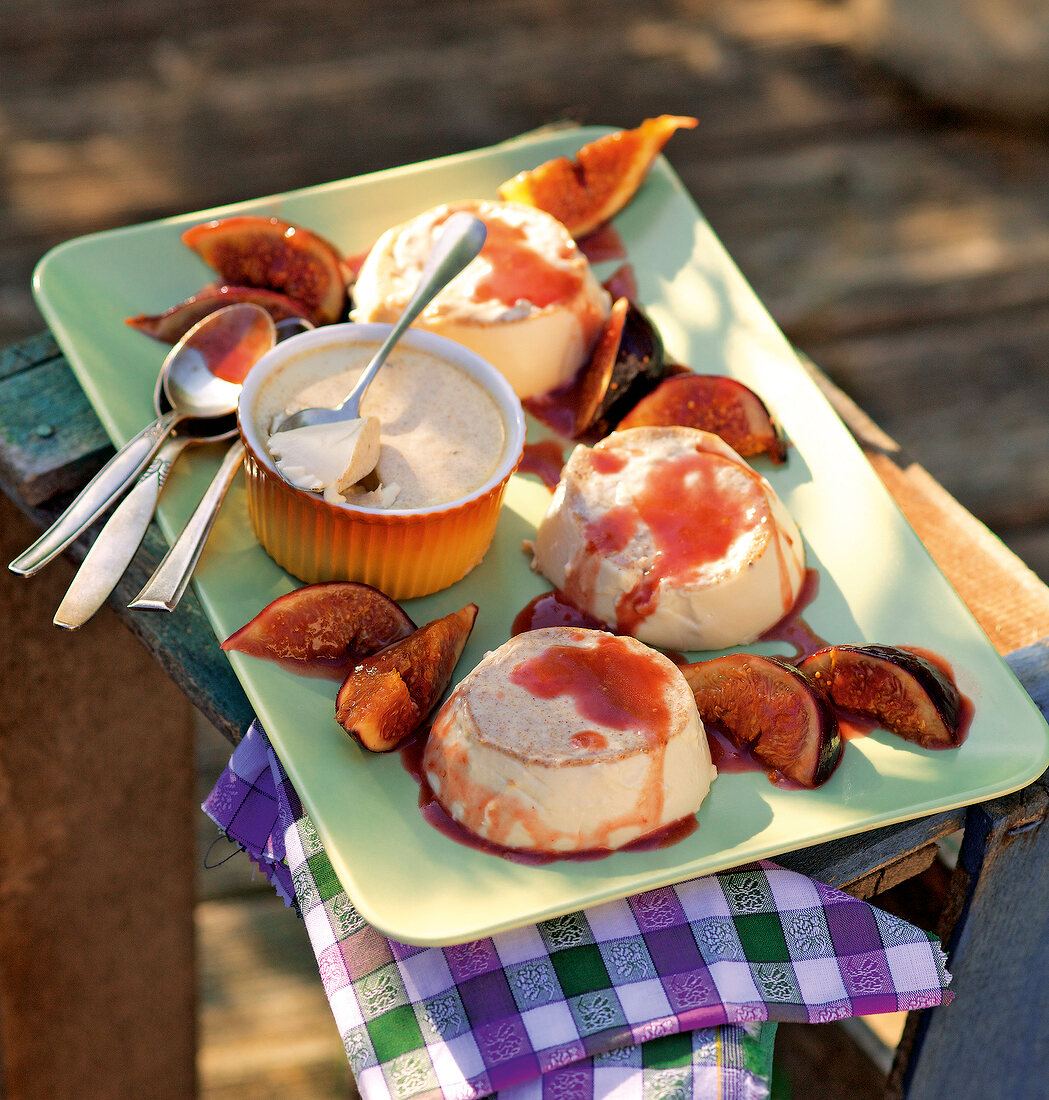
(461, 239)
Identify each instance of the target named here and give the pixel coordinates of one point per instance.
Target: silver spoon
(167, 586)
(118, 541)
(460, 241)
(216, 343)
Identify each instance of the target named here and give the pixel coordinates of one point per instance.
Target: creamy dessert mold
(566, 740)
(668, 535)
(530, 303)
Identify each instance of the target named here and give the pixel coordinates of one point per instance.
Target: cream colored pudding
(441, 435)
(668, 535)
(529, 304)
(331, 458)
(566, 740)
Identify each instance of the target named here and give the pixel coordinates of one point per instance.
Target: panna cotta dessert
(429, 433)
(529, 303)
(666, 534)
(569, 740)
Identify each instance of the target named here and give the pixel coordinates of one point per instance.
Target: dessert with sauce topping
(569, 740)
(530, 303)
(668, 535)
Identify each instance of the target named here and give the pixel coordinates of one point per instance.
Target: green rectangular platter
(877, 583)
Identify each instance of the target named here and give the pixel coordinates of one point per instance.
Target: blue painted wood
(50, 439)
(993, 1039)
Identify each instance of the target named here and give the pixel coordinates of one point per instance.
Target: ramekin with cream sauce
(451, 434)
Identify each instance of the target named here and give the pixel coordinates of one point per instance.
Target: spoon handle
(170, 580)
(96, 496)
(116, 543)
(460, 241)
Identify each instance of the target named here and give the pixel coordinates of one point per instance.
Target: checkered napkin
(672, 992)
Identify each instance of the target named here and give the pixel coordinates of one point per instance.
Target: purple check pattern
(670, 992)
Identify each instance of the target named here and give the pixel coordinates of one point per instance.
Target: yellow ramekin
(403, 552)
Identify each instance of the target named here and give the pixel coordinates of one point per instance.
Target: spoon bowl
(228, 341)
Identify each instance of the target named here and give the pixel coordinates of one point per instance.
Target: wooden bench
(96, 889)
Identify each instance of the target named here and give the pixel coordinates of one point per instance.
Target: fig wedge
(170, 326)
(900, 689)
(766, 705)
(596, 375)
(325, 628)
(388, 696)
(624, 367)
(247, 250)
(588, 191)
(715, 404)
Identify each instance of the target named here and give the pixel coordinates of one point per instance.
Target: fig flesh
(389, 695)
(903, 691)
(326, 627)
(625, 365)
(588, 191)
(170, 326)
(715, 404)
(248, 250)
(766, 705)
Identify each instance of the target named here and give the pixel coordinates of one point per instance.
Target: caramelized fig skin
(585, 192)
(767, 705)
(253, 251)
(388, 696)
(332, 623)
(713, 403)
(898, 688)
(170, 326)
(638, 368)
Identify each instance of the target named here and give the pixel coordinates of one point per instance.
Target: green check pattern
(669, 993)
(672, 993)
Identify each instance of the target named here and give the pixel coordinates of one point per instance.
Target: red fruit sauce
(434, 814)
(517, 271)
(608, 684)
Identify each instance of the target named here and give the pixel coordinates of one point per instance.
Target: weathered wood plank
(983, 394)
(50, 438)
(183, 642)
(96, 855)
(852, 859)
(998, 944)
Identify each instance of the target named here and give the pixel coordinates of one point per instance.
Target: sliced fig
(627, 362)
(903, 691)
(170, 326)
(596, 376)
(715, 404)
(324, 628)
(247, 250)
(388, 696)
(604, 176)
(766, 705)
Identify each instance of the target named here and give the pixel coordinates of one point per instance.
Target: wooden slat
(1007, 599)
(997, 937)
(96, 855)
(39, 457)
